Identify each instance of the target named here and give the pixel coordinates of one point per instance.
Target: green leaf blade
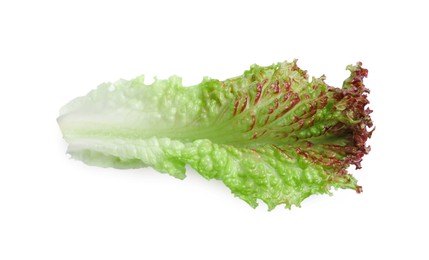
(270, 134)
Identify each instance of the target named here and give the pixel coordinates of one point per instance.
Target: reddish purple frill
(357, 120)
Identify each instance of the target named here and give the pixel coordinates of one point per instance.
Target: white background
(52, 207)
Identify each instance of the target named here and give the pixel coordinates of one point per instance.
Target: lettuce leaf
(271, 134)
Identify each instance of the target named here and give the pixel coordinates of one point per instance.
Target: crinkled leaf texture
(271, 134)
